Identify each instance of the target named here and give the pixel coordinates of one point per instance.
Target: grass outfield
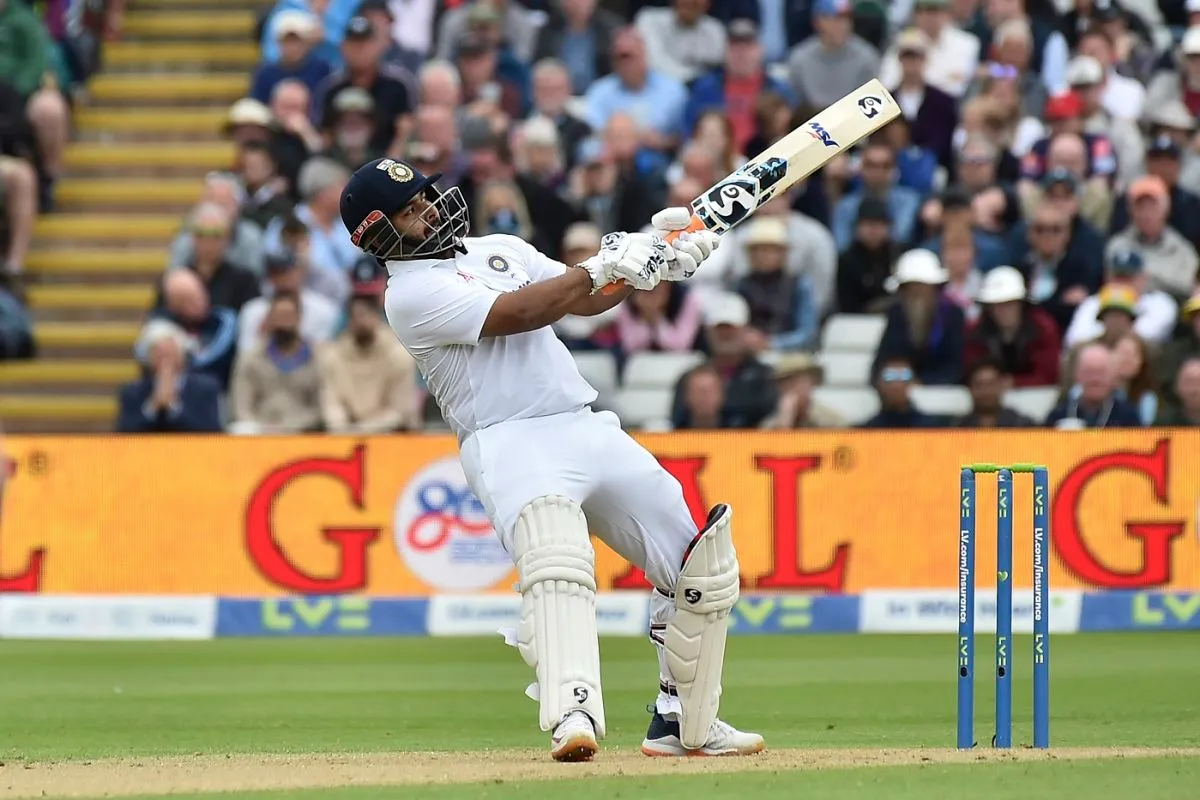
(844, 716)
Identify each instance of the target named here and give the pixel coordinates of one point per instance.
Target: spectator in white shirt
(1123, 97)
(952, 55)
(682, 41)
(1155, 311)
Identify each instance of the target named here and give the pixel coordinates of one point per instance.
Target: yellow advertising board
(835, 511)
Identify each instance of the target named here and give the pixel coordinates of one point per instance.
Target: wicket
(966, 603)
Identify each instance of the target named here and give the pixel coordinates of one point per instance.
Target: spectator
(1155, 311)
(665, 319)
(1187, 389)
(395, 52)
(277, 384)
(783, 315)
(500, 208)
(351, 129)
(1021, 337)
(210, 258)
(924, 328)
(656, 101)
(1087, 79)
(714, 132)
(212, 329)
(263, 190)
(1135, 376)
(1094, 400)
(538, 155)
(955, 213)
(772, 120)
(1009, 79)
(168, 398)
(878, 180)
(551, 91)
(865, 266)
(1066, 177)
(701, 400)
(610, 199)
(987, 381)
(1123, 97)
(797, 375)
(916, 166)
(519, 27)
(1050, 51)
(1064, 115)
(294, 237)
(749, 391)
(292, 137)
(682, 41)
(1185, 345)
(832, 62)
(949, 58)
(329, 245)
(392, 88)
(242, 246)
(581, 241)
(1059, 276)
(1170, 260)
(332, 18)
(734, 88)
(579, 37)
(963, 278)
(893, 380)
(320, 317)
(1182, 83)
(19, 204)
(930, 111)
(622, 143)
(439, 84)
(1175, 122)
(297, 33)
(1164, 160)
(435, 144)
(994, 204)
(493, 86)
(369, 380)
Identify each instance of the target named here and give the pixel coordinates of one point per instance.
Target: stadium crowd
(1032, 219)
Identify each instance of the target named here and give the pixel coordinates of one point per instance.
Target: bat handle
(694, 225)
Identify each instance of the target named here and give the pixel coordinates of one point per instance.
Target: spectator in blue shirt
(169, 398)
(893, 382)
(295, 32)
(878, 166)
(580, 36)
(213, 330)
(654, 100)
(334, 16)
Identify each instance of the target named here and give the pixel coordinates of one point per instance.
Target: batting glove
(691, 247)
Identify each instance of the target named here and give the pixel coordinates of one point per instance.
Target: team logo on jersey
(498, 263)
(400, 173)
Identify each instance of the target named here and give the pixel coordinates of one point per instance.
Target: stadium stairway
(145, 136)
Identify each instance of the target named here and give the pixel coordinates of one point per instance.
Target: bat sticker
(823, 136)
(869, 106)
(740, 194)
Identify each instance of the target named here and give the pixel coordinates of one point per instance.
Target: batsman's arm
(539, 304)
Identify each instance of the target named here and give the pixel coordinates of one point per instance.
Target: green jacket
(24, 47)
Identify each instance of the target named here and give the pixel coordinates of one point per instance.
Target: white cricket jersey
(438, 306)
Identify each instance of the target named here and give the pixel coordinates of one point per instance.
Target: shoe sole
(577, 748)
(649, 750)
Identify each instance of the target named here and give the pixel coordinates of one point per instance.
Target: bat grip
(694, 225)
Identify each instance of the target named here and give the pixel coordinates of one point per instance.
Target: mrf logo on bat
(818, 132)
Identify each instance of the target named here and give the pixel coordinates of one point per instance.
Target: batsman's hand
(691, 248)
(636, 258)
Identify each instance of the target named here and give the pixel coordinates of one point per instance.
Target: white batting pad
(556, 634)
(707, 589)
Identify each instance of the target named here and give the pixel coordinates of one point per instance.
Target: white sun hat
(918, 266)
(1002, 285)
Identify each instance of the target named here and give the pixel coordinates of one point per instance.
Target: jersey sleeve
(439, 307)
(539, 266)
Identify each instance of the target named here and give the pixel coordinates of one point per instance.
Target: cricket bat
(793, 158)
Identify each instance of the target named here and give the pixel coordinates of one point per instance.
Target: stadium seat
(1034, 402)
(649, 408)
(599, 368)
(846, 369)
(853, 333)
(946, 401)
(658, 370)
(855, 405)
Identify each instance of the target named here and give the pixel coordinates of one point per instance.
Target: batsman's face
(417, 220)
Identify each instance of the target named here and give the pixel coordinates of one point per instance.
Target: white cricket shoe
(574, 739)
(723, 740)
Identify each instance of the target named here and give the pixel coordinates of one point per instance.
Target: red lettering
(30, 580)
(687, 472)
(352, 543)
(786, 572)
(1156, 537)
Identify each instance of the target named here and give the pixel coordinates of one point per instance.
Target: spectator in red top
(1010, 331)
(666, 318)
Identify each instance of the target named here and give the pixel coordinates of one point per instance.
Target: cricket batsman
(475, 313)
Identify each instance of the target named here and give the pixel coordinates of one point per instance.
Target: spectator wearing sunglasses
(893, 382)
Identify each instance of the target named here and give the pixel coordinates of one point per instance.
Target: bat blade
(790, 160)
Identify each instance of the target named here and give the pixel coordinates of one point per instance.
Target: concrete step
(60, 409)
(163, 56)
(162, 194)
(151, 122)
(134, 159)
(98, 334)
(94, 228)
(189, 26)
(58, 426)
(77, 377)
(49, 263)
(81, 296)
(176, 88)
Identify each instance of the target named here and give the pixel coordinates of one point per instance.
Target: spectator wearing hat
(947, 55)
(734, 88)
(748, 394)
(923, 327)
(208, 252)
(286, 273)
(865, 266)
(1060, 259)
(352, 129)
(368, 380)
(332, 21)
(932, 114)
(297, 33)
(264, 191)
(894, 377)
(1094, 399)
(1187, 388)
(1064, 116)
(987, 381)
(832, 62)
(1021, 338)
(578, 35)
(518, 25)
(551, 91)
(392, 88)
(655, 100)
(1116, 315)
(212, 329)
(682, 40)
(1170, 260)
(665, 319)
(1132, 38)
(168, 398)
(1087, 79)
(1173, 121)
(1155, 311)
(329, 246)
(1183, 82)
(1123, 97)
(878, 172)
(1164, 160)
(796, 375)
(1090, 199)
(783, 315)
(1184, 345)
